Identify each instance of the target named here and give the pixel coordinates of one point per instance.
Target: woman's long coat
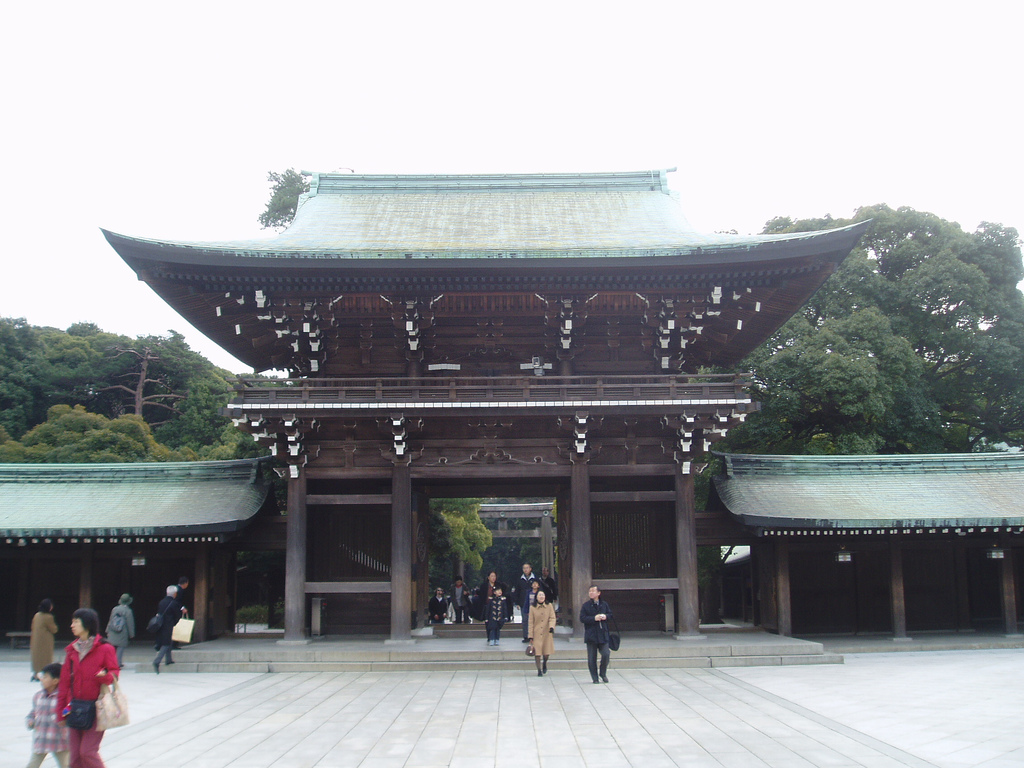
(41, 641)
(542, 621)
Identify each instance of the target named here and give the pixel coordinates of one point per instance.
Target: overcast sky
(158, 120)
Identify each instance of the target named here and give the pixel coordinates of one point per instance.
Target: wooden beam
(532, 534)
(348, 587)
(342, 499)
(631, 496)
(638, 584)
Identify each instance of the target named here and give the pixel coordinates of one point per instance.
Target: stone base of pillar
(695, 636)
(902, 639)
(389, 641)
(304, 641)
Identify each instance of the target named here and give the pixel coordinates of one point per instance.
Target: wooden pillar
(581, 545)
(963, 592)
(897, 595)
(401, 554)
(85, 578)
(547, 544)
(295, 561)
(24, 615)
(219, 593)
(782, 595)
(688, 624)
(201, 609)
(1009, 589)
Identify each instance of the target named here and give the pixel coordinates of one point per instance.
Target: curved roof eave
(249, 254)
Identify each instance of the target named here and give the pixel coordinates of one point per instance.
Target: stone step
(519, 663)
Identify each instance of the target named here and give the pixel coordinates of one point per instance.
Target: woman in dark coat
(484, 593)
(170, 609)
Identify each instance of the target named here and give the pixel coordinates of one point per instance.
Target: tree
(284, 198)
(914, 345)
(457, 534)
(72, 435)
(21, 392)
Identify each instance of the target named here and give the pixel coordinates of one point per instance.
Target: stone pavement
(943, 708)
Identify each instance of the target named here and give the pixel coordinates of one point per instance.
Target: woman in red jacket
(89, 662)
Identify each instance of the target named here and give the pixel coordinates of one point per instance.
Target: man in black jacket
(595, 614)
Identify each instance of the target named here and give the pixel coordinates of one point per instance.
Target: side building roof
(62, 501)
(904, 491)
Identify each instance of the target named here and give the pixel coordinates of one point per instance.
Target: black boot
(544, 669)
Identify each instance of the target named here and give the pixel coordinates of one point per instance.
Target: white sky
(159, 120)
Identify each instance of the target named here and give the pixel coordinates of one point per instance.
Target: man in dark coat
(549, 585)
(595, 614)
(522, 593)
(171, 610)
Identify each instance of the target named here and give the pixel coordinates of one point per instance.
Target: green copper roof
(347, 216)
(905, 491)
(66, 500)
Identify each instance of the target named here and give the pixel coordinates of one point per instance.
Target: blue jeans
(493, 631)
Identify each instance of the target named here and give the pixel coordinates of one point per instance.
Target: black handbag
(613, 637)
(81, 713)
(155, 624)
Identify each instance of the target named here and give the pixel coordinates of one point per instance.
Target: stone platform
(465, 648)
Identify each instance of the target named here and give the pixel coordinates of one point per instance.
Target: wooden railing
(510, 389)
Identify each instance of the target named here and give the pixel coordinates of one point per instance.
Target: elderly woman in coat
(121, 626)
(542, 631)
(41, 638)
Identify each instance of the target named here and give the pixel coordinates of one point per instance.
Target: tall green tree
(914, 345)
(285, 190)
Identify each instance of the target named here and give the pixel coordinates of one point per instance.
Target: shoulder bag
(80, 713)
(614, 639)
(111, 707)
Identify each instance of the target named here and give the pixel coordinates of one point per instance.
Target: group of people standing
(492, 603)
(91, 661)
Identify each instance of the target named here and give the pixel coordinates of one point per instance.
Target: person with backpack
(121, 626)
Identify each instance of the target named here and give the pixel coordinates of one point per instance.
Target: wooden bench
(19, 639)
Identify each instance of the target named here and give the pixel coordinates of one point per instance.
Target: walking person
(595, 614)
(47, 735)
(171, 611)
(41, 638)
(89, 662)
(484, 593)
(460, 601)
(496, 613)
(121, 626)
(542, 632)
(522, 595)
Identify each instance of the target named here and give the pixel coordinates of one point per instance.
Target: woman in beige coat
(542, 632)
(41, 640)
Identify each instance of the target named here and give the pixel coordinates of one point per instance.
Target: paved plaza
(938, 708)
